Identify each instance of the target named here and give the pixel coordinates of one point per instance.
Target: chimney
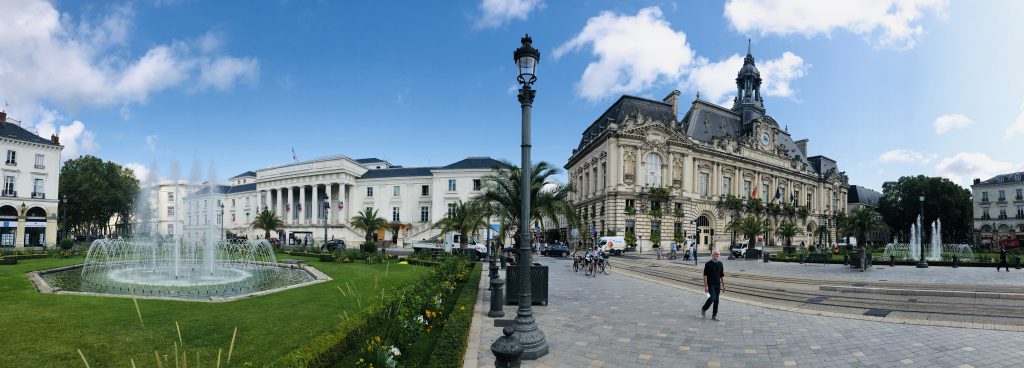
(3, 117)
(802, 145)
(673, 99)
(977, 181)
(54, 139)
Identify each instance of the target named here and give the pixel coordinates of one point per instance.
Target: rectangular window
(369, 191)
(37, 188)
(424, 213)
(476, 184)
(630, 203)
(425, 190)
(1002, 195)
(1002, 211)
(703, 189)
(796, 197)
(677, 230)
(726, 185)
(451, 209)
(11, 156)
(170, 229)
(984, 213)
(764, 192)
(451, 185)
(746, 189)
(170, 211)
(397, 191)
(604, 175)
(984, 196)
(232, 202)
(631, 226)
(395, 214)
(39, 161)
(9, 186)
(369, 209)
(170, 197)
(782, 194)
(810, 200)
(1019, 194)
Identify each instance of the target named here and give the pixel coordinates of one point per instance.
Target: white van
(612, 244)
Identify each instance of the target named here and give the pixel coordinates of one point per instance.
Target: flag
(792, 197)
(298, 207)
(232, 217)
(341, 205)
(294, 158)
(778, 195)
(287, 208)
(754, 193)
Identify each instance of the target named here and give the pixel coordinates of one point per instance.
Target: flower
(395, 351)
(461, 308)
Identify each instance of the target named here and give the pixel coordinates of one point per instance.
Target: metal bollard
(503, 258)
(507, 349)
(846, 259)
(497, 298)
(892, 261)
(1017, 266)
(801, 257)
(956, 261)
(765, 257)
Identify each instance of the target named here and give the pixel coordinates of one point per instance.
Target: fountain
(937, 251)
(151, 265)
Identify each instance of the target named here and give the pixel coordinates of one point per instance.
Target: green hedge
(330, 347)
(454, 339)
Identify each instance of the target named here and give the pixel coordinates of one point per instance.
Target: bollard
(956, 261)
(502, 257)
(846, 259)
(801, 257)
(1017, 266)
(506, 350)
(497, 299)
(765, 257)
(892, 261)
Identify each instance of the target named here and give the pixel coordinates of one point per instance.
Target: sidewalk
(621, 321)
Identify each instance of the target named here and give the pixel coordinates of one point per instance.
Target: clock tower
(748, 102)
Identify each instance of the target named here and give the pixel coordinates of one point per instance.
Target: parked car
(559, 250)
(740, 250)
(335, 244)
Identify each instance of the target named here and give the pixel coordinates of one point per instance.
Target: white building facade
(999, 209)
(29, 198)
(639, 151)
(321, 195)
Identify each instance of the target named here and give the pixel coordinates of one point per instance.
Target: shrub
(66, 243)
(453, 339)
(368, 247)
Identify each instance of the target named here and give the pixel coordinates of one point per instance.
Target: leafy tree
(503, 200)
(945, 200)
(734, 206)
(267, 221)
(861, 222)
(368, 221)
(630, 238)
(787, 231)
(96, 191)
(750, 226)
(822, 233)
(464, 219)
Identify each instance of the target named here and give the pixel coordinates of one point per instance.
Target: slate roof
(221, 189)
(245, 174)
(474, 163)
(13, 131)
(720, 122)
(400, 172)
(1006, 178)
(626, 105)
(248, 187)
(860, 194)
(369, 160)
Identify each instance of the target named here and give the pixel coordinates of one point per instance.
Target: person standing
(714, 284)
(693, 250)
(1002, 259)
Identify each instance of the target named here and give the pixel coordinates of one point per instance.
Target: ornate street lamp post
(922, 263)
(221, 219)
(327, 209)
(527, 332)
(64, 219)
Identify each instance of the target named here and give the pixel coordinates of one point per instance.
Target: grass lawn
(44, 330)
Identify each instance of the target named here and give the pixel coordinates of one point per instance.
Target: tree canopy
(96, 191)
(944, 200)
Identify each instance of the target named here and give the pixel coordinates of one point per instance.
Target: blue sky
(887, 88)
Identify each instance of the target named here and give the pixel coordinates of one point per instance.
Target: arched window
(652, 170)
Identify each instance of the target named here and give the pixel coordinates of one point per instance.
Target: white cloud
(946, 123)
(716, 80)
(965, 166)
(886, 23)
(141, 171)
(904, 156)
(496, 13)
(633, 53)
(94, 61)
(151, 142)
(1018, 125)
(76, 139)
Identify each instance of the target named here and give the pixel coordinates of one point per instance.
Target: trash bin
(538, 284)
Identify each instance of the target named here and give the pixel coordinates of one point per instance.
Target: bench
(816, 257)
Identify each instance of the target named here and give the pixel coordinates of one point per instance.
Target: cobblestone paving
(621, 321)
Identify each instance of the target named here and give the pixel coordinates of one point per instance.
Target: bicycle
(605, 265)
(577, 263)
(588, 267)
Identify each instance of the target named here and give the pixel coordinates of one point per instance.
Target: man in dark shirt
(1002, 259)
(714, 283)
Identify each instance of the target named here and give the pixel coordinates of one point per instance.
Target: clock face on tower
(764, 139)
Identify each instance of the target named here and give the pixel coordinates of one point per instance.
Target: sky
(203, 89)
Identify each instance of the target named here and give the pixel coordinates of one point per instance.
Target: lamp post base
(922, 264)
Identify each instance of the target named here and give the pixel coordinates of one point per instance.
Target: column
(330, 200)
(288, 207)
(317, 203)
(19, 236)
(302, 202)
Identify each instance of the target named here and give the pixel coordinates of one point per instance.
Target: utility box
(538, 284)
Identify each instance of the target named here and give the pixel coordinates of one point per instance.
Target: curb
(473, 345)
(913, 292)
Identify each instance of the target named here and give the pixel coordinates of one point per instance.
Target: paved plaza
(618, 320)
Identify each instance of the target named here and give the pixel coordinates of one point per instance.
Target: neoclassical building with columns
(639, 144)
(333, 189)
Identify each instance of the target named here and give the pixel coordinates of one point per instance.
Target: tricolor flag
(294, 157)
(754, 193)
(778, 195)
(341, 205)
(298, 207)
(287, 208)
(232, 217)
(792, 197)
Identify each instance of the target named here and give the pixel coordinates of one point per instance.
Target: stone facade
(28, 199)
(999, 208)
(638, 151)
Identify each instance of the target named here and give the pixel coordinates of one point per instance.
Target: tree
(464, 219)
(96, 191)
(267, 221)
(503, 200)
(787, 231)
(734, 206)
(750, 226)
(945, 200)
(861, 222)
(821, 232)
(368, 221)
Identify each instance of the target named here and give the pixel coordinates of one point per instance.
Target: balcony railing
(12, 163)
(1018, 198)
(984, 200)
(1002, 199)
(9, 193)
(38, 166)
(39, 195)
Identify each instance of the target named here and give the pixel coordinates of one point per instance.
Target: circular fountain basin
(165, 277)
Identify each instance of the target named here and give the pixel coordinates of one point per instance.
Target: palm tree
(734, 205)
(503, 200)
(750, 226)
(821, 232)
(267, 221)
(788, 230)
(860, 222)
(368, 221)
(464, 219)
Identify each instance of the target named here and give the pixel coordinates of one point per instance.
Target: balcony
(39, 195)
(1002, 199)
(12, 163)
(984, 200)
(9, 193)
(38, 166)
(1019, 198)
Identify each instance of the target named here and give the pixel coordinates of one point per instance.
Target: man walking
(714, 284)
(1002, 259)
(693, 250)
